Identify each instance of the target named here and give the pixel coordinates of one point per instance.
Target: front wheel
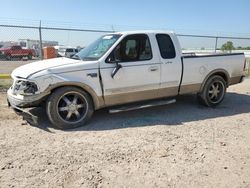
(69, 107)
(8, 57)
(213, 92)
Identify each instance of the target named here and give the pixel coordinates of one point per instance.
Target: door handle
(153, 68)
(92, 75)
(168, 62)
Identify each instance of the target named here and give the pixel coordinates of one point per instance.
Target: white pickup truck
(120, 69)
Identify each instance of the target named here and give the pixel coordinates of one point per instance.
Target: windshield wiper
(89, 58)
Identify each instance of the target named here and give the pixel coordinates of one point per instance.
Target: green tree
(228, 46)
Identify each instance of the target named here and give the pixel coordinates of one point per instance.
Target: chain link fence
(37, 38)
(68, 40)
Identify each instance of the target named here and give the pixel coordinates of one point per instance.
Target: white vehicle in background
(119, 70)
(63, 51)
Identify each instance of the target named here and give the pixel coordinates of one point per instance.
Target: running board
(140, 106)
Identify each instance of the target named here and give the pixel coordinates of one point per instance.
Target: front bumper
(24, 101)
(18, 106)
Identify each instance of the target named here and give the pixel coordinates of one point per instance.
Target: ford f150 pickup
(120, 70)
(16, 52)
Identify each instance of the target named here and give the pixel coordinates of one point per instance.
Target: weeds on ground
(248, 66)
(5, 84)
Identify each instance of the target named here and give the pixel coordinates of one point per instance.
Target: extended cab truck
(122, 68)
(16, 52)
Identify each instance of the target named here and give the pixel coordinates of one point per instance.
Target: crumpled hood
(31, 68)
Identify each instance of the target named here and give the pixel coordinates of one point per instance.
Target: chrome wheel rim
(72, 107)
(216, 91)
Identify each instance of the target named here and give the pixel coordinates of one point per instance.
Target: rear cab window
(166, 46)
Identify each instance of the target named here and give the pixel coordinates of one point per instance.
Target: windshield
(98, 48)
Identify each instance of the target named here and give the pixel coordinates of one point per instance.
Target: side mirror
(116, 69)
(111, 60)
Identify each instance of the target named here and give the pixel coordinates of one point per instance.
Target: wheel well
(223, 75)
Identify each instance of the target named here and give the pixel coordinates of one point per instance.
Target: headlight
(24, 87)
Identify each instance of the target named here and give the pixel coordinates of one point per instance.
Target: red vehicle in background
(16, 52)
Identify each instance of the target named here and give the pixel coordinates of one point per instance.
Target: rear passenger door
(171, 67)
(139, 77)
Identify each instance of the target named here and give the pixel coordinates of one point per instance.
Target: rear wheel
(213, 92)
(29, 56)
(69, 107)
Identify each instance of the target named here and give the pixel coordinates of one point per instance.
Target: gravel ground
(179, 145)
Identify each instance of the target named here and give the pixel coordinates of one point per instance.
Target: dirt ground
(179, 145)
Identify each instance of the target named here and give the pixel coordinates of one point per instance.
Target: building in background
(8, 43)
(35, 44)
(31, 44)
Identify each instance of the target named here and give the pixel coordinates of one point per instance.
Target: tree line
(229, 46)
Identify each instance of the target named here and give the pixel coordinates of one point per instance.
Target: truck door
(139, 75)
(171, 67)
(14, 51)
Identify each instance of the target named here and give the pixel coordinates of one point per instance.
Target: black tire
(29, 56)
(69, 107)
(8, 57)
(213, 91)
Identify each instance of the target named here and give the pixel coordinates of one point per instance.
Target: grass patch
(5, 76)
(5, 84)
(248, 65)
(248, 73)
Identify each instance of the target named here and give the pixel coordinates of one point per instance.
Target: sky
(210, 17)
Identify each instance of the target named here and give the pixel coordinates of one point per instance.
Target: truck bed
(197, 67)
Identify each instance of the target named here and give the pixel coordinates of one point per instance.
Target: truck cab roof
(144, 31)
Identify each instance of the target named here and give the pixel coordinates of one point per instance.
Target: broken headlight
(24, 87)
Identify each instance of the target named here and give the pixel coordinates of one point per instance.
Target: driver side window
(133, 48)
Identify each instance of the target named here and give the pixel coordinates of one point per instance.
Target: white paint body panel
(53, 71)
(196, 69)
(171, 68)
(133, 76)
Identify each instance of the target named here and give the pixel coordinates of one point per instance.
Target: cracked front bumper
(24, 101)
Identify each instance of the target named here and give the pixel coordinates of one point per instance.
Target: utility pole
(216, 43)
(41, 42)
